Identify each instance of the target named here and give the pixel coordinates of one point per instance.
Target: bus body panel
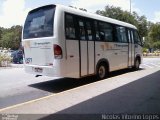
(91, 58)
(40, 59)
(72, 58)
(112, 52)
(133, 48)
(103, 50)
(87, 57)
(39, 52)
(131, 55)
(122, 55)
(84, 58)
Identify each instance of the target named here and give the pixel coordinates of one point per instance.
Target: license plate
(37, 69)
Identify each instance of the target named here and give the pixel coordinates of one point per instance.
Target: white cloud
(156, 17)
(13, 13)
(93, 5)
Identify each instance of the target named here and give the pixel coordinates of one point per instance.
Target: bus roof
(93, 16)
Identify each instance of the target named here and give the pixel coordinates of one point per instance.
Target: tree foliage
(10, 38)
(153, 38)
(155, 32)
(117, 13)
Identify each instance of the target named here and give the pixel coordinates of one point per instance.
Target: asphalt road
(18, 87)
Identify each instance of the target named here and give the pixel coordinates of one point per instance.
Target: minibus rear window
(39, 23)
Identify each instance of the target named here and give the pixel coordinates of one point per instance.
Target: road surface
(18, 87)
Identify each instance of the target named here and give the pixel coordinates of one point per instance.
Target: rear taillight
(57, 52)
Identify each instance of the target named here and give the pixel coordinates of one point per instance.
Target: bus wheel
(102, 71)
(137, 64)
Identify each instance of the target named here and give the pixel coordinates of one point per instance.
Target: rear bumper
(43, 70)
(59, 70)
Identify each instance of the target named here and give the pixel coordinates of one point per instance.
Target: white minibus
(62, 41)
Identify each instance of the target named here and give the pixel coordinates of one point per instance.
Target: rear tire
(102, 71)
(137, 64)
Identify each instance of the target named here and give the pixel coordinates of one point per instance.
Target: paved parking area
(133, 92)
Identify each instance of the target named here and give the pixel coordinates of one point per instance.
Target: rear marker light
(57, 52)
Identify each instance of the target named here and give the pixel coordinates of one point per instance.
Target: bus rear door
(86, 47)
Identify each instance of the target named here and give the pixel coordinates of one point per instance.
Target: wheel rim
(102, 72)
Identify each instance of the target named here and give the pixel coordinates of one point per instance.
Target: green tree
(11, 37)
(155, 32)
(1, 32)
(117, 13)
(7, 39)
(17, 36)
(142, 26)
(148, 41)
(154, 36)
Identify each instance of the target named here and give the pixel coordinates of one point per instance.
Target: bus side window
(137, 38)
(70, 27)
(81, 30)
(89, 31)
(96, 31)
(121, 34)
(105, 32)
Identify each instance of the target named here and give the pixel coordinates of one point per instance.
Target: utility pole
(130, 6)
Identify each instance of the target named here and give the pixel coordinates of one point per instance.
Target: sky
(13, 12)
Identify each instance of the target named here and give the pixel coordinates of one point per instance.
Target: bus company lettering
(42, 43)
(106, 46)
(120, 45)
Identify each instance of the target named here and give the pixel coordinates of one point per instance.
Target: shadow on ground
(139, 97)
(59, 85)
